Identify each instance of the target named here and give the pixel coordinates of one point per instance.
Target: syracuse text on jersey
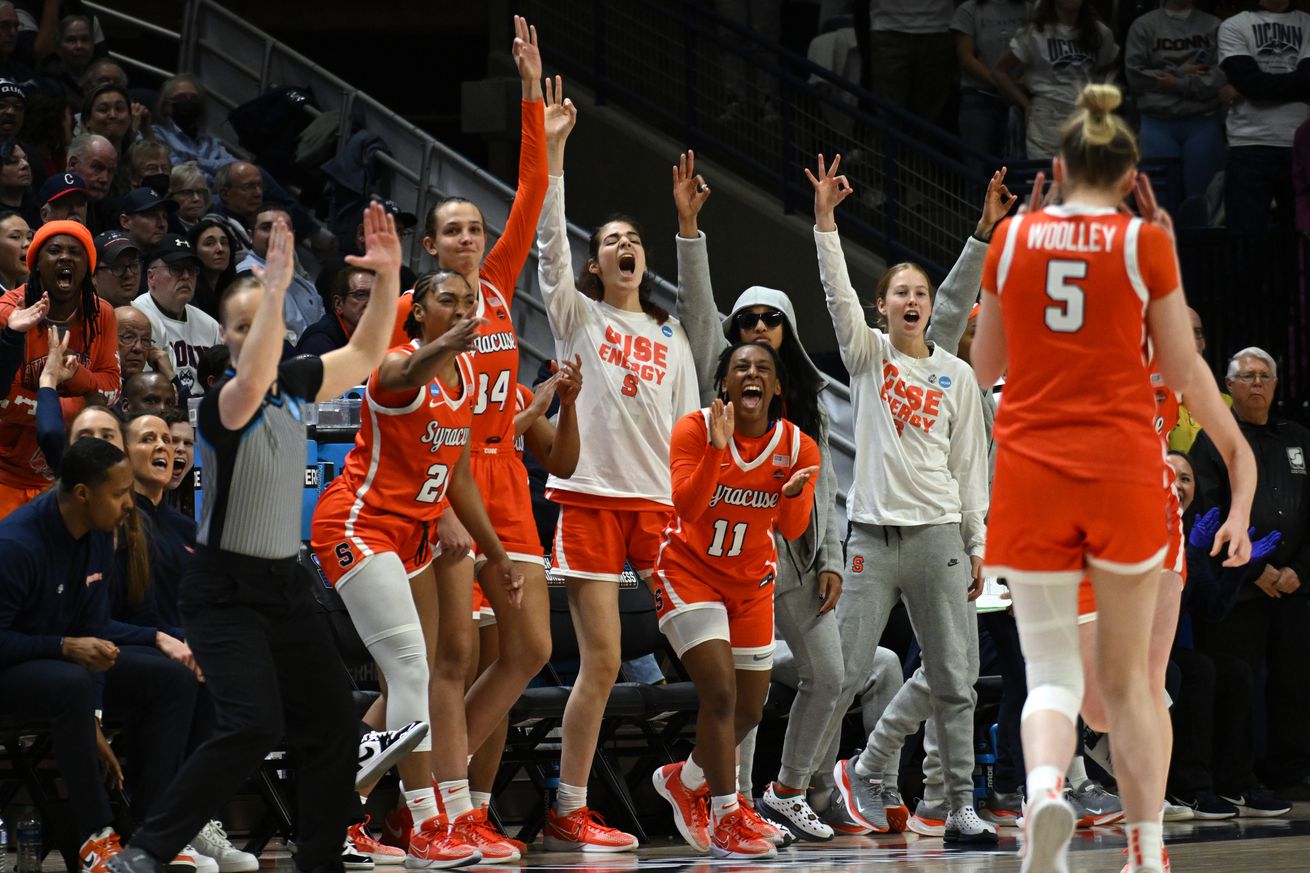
(640, 355)
(748, 497)
(909, 404)
(437, 436)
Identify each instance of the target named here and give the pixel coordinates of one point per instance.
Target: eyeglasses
(1249, 378)
(122, 270)
(131, 339)
(177, 271)
(747, 320)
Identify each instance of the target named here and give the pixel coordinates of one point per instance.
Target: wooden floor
(1194, 847)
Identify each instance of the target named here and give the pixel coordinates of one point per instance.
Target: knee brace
(1046, 611)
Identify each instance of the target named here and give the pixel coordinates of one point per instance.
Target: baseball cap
(10, 88)
(172, 249)
(112, 243)
(140, 200)
(404, 220)
(58, 186)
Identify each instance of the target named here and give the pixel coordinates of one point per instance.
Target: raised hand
(568, 379)
(722, 423)
(23, 320)
(460, 337)
(280, 260)
(59, 366)
(161, 361)
(1264, 547)
(1041, 196)
(561, 114)
(689, 193)
(527, 57)
(1238, 540)
(797, 481)
(996, 204)
(830, 190)
(382, 252)
(1150, 207)
(1203, 529)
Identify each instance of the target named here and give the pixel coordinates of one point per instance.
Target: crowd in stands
(123, 221)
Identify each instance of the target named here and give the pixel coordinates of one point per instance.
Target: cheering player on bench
(739, 471)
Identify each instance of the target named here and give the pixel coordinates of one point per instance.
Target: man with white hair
(1267, 625)
(95, 159)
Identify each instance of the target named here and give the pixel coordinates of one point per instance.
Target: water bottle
(29, 843)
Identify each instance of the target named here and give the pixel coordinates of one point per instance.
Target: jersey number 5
(435, 486)
(721, 533)
(1068, 316)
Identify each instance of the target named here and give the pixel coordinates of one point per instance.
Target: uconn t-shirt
(1278, 41)
(1056, 66)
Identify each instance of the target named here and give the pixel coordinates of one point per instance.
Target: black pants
(272, 671)
(1009, 774)
(1212, 726)
(63, 693)
(1256, 177)
(1272, 637)
(154, 699)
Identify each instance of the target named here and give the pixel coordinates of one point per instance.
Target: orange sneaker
(398, 826)
(583, 830)
(734, 838)
(691, 809)
(518, 844)
(99, 848)
(762, 825)
(434, 846)
(381, 854)
(473, 828)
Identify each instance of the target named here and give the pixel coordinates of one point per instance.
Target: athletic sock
(1077, 772)
(455, 798)
(786, 791)
(721, 805)
(481, 799)
(422, 804)
(570, 798)
(1042, 779)
(693, 777)
(1145, 846)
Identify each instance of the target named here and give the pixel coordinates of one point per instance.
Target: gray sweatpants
(925, 566)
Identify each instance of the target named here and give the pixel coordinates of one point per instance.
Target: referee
(249, 618)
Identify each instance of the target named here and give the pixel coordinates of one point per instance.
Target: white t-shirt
(921, 441)
(638, 376)
(185, 340)
(1278, 41)
(911, 16)
(992, 26)
(1056, 66)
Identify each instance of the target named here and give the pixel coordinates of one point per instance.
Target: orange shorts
(503, 482)
(1175, 559)
(373, 531)
(14, 496)
(594, 543)
(684, 603)
(483, 614)
(1043, 521)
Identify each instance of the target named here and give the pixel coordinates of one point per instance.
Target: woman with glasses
(15, 237)
(189, 188)
(211, 238)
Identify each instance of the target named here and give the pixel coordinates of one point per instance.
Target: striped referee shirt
(254, 477)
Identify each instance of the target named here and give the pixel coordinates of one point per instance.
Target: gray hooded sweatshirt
(819, 548)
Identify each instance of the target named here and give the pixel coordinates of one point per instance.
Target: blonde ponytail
(1097, 146)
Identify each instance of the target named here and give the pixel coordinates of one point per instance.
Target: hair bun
(1099, 99)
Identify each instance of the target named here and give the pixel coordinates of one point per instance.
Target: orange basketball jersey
(728, 501)
(1074, 284)
(403, 455)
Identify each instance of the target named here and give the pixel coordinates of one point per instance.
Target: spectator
(1171, 61)
(180, 124)
(15, 237)
(181, 496)
(72, 55)
(240, 188)
(10, 67)
(211, 237)
(101, 72)
(334, 264)
(95, 159)
(16, 181)
(148, 166)
(143, 214)
(135, 341)
(1266, 627)
(983, 30)
(214, 362)
(913, 57)
(108, 112)
(63, 197)
(349, 298)
(179, 328)
(1265, 53)
(304, 305)
(147, 393)
(190, 190)
(117, 274)
(61, 260)
(47, 130)
(13, 107)
(1061, 50)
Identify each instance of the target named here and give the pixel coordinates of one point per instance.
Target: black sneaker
(1206, 805)
(1258, 804)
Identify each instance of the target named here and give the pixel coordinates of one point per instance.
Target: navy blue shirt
(172, 538)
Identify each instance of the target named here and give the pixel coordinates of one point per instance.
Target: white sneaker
(204, 863)
(1047, 828)
(793, 814)
(379, 751)
(1177, 812)
(212, 842)
(963, 826)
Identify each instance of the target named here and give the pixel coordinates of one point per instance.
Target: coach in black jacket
(1269, 627)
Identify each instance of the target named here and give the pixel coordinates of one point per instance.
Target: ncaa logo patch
(1296, 459)
(944, 381)
(434, 389)
(666, 330)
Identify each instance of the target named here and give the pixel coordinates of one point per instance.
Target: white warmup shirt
(184, 339)
(921, 455)
(638, 377)
(1278, 41)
